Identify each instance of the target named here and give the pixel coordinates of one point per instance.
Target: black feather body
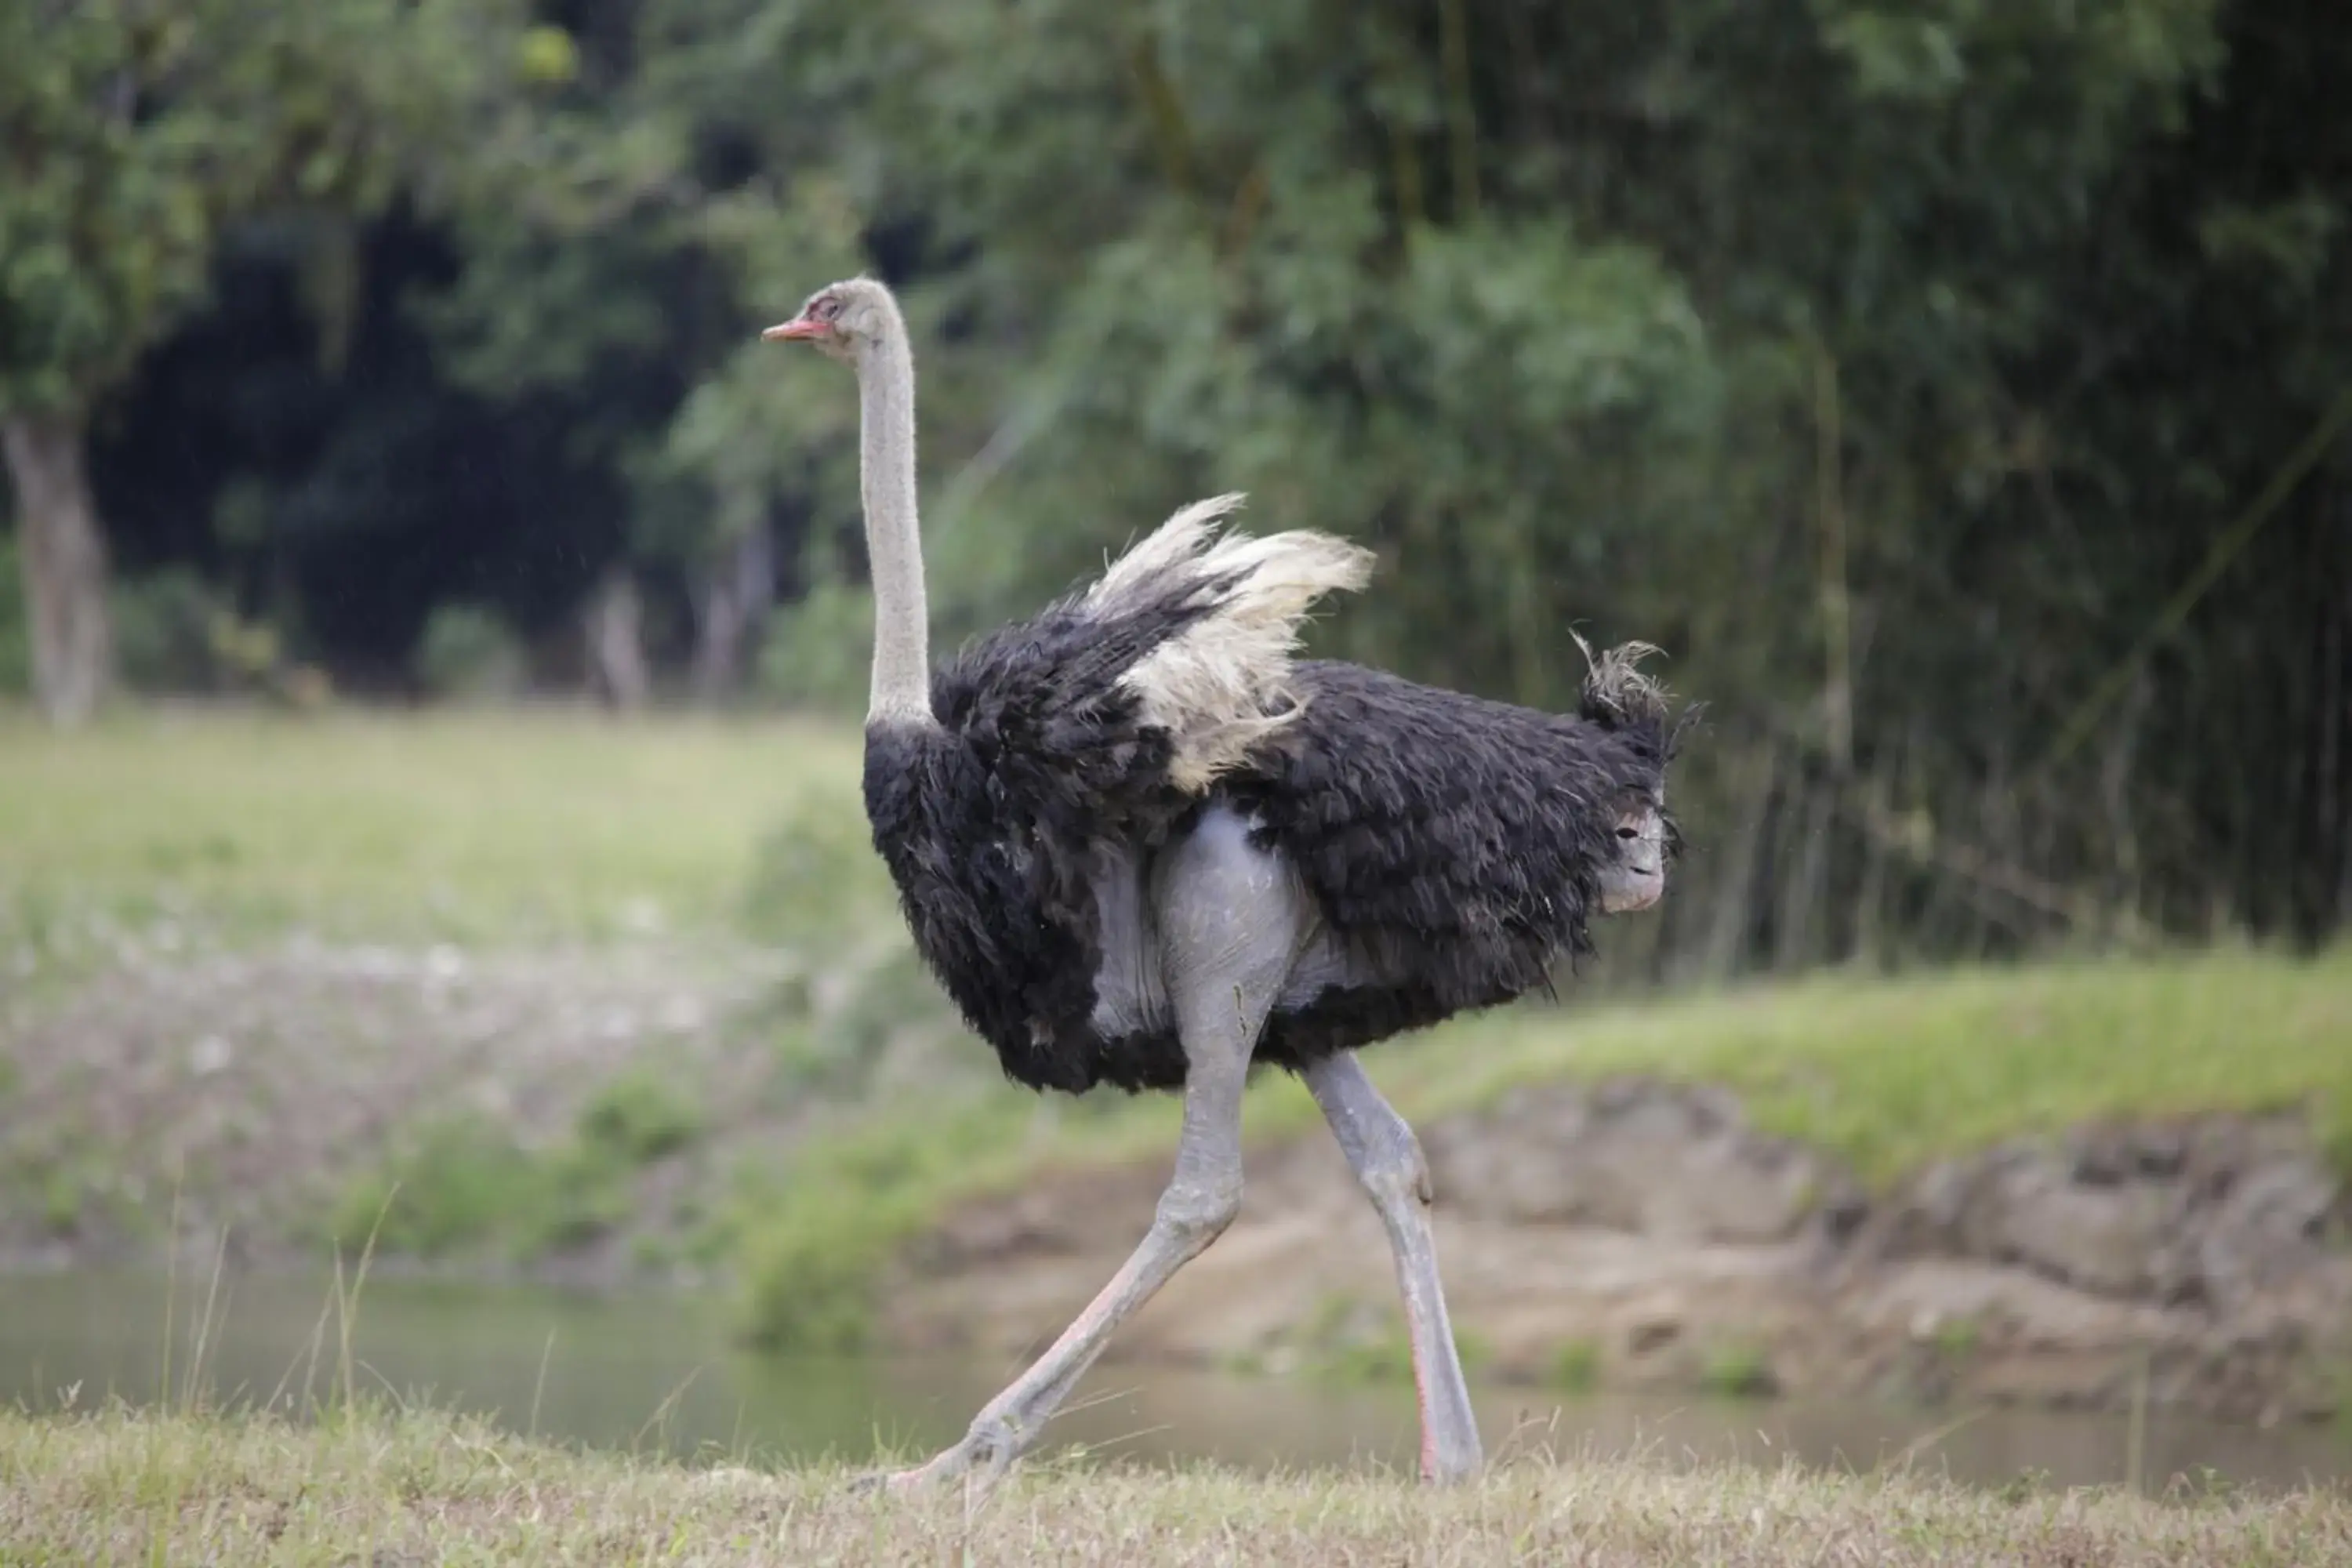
(1450, 844)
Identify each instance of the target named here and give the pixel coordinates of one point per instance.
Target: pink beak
(794, 331)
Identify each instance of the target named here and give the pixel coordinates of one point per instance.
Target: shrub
(817, 1244)
(1739, 1371)
(817, 884)
(15, 634)
(468, 652)
(166, 632)
(817, 654)
(1576, 1366)
(638, 1118)
(460, 1183)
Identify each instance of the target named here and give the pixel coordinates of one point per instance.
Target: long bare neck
(894, 544)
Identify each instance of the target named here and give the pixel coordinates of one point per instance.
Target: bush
(817, 1244)
(15, 634)
(1576, 1366)
(465, 1184)
(168, 632)
(639, 1117)
(818, 654)
(460, 1183)
(817, 883)
(468, 652)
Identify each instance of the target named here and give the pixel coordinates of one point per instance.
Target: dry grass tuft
(398, 1488)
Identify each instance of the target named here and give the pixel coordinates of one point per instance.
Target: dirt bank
(1644, 1236)
(246, 1092)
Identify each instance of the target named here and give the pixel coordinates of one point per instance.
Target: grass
(1890, 1073)
(463, 1183)
(470, 825)
(391, 1488)
(1736, 1370)
(1576, 1365)
(1886, 1073)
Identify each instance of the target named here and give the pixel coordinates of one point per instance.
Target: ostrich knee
(1192, 1214)
(1392, 1169)
(1379, 1144)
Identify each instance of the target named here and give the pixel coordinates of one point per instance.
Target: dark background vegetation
(1956, 390)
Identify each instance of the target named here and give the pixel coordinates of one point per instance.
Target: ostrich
(1140, 844)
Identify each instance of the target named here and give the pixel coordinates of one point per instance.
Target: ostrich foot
(985, 1455)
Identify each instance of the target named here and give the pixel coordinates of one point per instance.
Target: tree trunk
(64, 564)
(2319, 872)
(737, 590)
(616, 651)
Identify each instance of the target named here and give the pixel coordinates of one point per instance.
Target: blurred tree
(1955, 388)
(133, 132)
(597, 233)
(1796, 336)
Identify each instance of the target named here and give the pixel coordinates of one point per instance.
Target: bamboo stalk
(1837, 616)
(1461, 114)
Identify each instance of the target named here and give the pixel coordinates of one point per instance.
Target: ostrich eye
(826, 310)
(1627, 832)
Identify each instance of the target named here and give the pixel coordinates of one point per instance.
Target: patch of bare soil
(1645, 1236)
(247, 1089)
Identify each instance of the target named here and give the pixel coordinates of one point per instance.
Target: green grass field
(391, 1490)
(484, 825)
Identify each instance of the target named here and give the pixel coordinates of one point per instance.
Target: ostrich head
(1636, 879)
(1618, 697)
(844, 320)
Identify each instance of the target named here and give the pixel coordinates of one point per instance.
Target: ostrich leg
(1387, 1160)
(1230, 917)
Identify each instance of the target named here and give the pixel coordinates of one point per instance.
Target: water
(657, 1372)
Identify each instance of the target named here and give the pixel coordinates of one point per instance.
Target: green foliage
(817, 652)
(811, 1270)
(640, 1117)
(1756, 363)
(814, 1243)
(462, 1180)
(1576, 1366)
(811, 1276)
(1893, 368)
(16, 631)
(815, 882)
(467, 651)
(1738, 1371)
(465, 1184)
(62, 1200)
(135, 137)
(1957, 1336)
(166, 631)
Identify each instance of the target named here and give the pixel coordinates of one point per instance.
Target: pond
(657, 1372)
